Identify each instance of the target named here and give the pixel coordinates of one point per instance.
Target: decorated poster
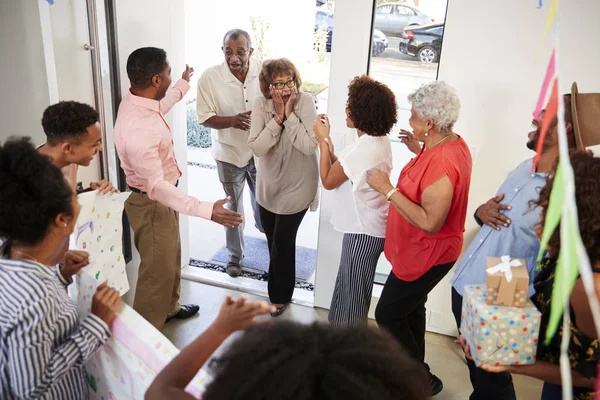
(99, 231)
(127, 364)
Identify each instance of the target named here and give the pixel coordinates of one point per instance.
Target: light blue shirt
(518, 240)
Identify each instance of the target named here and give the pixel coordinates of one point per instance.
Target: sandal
(279, 311)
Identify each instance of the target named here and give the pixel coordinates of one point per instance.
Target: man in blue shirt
(507, 225)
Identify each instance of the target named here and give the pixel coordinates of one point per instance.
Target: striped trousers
(354, 284)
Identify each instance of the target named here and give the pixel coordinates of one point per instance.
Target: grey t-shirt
(287, 169)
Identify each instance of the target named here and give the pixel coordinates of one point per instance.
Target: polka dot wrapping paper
(499, 335)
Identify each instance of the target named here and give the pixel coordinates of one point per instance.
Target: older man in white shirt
(226, 93)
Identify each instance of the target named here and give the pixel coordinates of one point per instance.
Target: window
(404, 62)
(402, 10)
(384, 9)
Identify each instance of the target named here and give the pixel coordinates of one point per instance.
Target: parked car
(392, 18)
(324, 18)
(423, 42)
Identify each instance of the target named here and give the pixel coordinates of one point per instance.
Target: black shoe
(435, 385)
(186, 311)
(233, 269)
(279, 311)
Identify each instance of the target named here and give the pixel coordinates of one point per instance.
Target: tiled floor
(444, 357)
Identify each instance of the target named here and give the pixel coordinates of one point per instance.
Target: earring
(426, 133)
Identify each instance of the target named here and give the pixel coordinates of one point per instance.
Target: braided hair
(291, 361)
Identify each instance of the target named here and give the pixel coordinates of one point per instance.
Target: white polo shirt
(360, 209)
(221, 93)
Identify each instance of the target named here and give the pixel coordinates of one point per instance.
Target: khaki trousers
(156, 236)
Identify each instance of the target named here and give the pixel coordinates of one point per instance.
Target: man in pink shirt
(145, 146)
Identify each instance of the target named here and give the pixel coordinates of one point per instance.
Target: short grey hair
(438, 102)
(236, 33)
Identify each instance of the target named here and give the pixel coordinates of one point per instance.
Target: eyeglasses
(281, 85)
(240, 53)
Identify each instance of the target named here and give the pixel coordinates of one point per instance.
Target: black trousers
(486, 385)
(401, 309)
(281, 231)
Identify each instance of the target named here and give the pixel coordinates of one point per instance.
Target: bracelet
(391, 193)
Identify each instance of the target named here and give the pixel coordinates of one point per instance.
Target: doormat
(247, 274)
(256, 258)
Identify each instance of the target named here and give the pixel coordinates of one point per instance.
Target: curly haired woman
(360, 213)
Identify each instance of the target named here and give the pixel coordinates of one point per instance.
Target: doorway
(309, 48)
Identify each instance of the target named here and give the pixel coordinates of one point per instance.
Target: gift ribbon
(505, 267)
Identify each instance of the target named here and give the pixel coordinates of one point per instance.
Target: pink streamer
(550, 73)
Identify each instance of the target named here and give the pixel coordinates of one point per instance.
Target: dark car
(423, 42)
(325, 19)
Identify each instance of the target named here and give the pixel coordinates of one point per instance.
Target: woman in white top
(361, 212)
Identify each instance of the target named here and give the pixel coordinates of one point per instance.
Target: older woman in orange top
(427, 216)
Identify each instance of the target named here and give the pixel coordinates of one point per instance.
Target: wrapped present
(507, 281)
(499, 335)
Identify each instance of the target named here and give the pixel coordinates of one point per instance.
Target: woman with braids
(361, 212)
(291, 361)
(43, 343)
(584, 350)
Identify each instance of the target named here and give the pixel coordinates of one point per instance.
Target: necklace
(27, 255)
(440, 141)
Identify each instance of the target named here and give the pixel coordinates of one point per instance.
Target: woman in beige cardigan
(281, 137)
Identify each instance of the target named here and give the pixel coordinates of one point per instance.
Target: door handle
(88, 47)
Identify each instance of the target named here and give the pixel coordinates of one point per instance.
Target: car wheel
(427, 55)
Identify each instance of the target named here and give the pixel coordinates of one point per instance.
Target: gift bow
(505, 267)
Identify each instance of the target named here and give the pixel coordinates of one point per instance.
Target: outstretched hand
(225, 217)
(237, 314)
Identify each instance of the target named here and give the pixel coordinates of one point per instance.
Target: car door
(399, 19)
(382, 17)
(412, 18)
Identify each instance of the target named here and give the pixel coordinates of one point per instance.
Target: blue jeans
(486, 385)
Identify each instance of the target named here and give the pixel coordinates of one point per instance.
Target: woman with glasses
(281, 137)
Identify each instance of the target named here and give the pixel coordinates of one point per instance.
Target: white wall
(157, 23)
(73, 66)
(26, 87)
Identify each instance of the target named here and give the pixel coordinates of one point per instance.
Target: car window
(402, 10)
(384, 9)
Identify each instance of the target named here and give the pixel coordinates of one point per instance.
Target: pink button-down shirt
(145, 145)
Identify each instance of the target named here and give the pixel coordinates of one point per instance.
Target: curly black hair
(287, 360)
(145, 63)
(68, 120)
(32, 193)
(586, 169)
(372, 106)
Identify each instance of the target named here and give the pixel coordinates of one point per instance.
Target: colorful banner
(127, 364)
(550, 74)
(549, 115)
(99, 231)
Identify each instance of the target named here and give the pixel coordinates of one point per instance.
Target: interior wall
(494, 65)
(26, 86)
(73, 64)
(167, 31)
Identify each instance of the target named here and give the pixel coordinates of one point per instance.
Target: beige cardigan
(287, 168)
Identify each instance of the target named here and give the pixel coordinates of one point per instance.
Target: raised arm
(331, 171)
(264, 133)
(173, 379)
(299, 125)
(174, 95)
